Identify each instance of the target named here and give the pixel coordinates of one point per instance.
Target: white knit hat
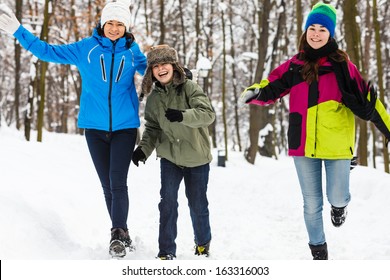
(117, 10)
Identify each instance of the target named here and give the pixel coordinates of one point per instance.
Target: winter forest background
(230, 43)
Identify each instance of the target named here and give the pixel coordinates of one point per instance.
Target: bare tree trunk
(374, 150)
(366, 66)
(32, 93)
(76, 80)
(65, 99)
(162, 24)
(224, 118)
(209, 80)
(30, 109)
(42, 73)
(146, 18)
(18, 13)
(257, 114)
(299, 16)
(234, 74)
(352, 38)
(197, 29)
(380, 76)
(269, 148)
(183, 33)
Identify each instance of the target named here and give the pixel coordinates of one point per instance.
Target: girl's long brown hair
(310, 68)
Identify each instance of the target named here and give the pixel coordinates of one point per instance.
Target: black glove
(354, 163)
(138, 155)
(373, 97)
(174, 115)
(357, 100)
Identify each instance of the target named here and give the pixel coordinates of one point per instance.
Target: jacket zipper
(104, 75)
(110, 88)
(316, 121)
(121, 66)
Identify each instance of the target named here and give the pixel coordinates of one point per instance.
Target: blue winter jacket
(109, 99)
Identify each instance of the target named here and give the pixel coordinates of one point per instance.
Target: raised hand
(247, 95)
(8, 21)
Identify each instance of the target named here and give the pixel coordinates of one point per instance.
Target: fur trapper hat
(117, 10)
(162, 54)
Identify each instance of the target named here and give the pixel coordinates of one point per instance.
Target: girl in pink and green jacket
(326, 91)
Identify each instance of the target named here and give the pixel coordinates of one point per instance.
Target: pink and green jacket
(320, 125)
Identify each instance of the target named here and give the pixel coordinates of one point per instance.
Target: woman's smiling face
(317, 36)
(114, 30)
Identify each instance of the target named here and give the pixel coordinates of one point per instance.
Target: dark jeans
(195, 180)
(111, 154)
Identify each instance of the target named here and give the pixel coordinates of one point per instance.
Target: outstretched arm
(65, 54)
(278, 84)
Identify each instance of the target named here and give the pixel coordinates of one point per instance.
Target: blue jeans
(111, 154)
(309, 172)
(195, 180)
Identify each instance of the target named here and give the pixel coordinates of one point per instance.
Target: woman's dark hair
(128, 35)
(310, 68)
(99, 28)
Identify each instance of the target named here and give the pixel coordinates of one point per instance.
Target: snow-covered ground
(52, 208)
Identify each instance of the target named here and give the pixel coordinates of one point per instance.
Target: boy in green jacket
(177, 114)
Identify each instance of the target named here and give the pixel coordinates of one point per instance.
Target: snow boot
(167, 257)
(120, 239)
(319, 252)
(338, 215)
(203, 250)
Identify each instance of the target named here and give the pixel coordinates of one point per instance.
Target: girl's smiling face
(163, 73)
(317, 36)
(114, 30)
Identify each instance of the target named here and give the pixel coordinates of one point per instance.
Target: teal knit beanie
(323, 14)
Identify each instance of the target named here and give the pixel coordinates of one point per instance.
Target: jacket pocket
(294, 131)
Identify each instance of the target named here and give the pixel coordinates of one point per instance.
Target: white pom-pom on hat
(125, 2)
(117, 10)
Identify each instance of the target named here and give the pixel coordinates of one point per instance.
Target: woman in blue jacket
(107, 62)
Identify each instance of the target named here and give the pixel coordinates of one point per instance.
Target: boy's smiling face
(163, 73)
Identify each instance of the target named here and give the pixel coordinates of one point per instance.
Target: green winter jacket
(184, 143)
